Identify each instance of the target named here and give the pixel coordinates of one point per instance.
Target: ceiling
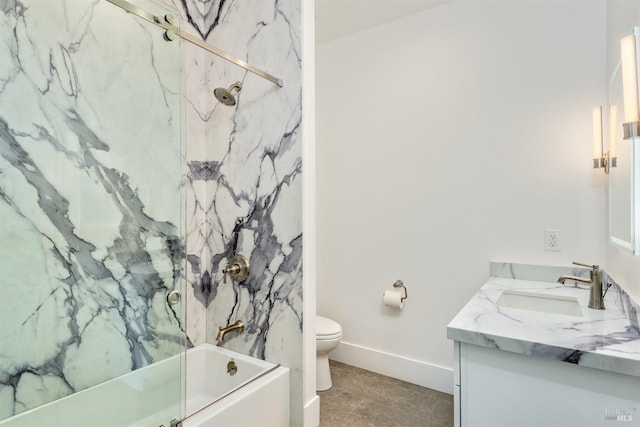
(339, 18)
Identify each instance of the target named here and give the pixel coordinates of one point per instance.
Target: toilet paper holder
(399, 284)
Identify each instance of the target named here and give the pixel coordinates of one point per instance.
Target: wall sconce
(629, 62)
(600, 159)
(613, 135)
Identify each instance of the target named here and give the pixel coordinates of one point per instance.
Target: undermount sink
(555, 304)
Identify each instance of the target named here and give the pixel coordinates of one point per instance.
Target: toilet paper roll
(393, 298)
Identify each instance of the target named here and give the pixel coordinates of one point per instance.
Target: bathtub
(256, 395)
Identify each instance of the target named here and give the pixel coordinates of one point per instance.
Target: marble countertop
(603, 339)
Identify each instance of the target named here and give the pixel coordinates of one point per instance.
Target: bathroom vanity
(528, 352)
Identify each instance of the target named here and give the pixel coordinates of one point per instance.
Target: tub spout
(238, 326)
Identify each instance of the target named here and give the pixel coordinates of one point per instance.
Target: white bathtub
(261, 402)
(257, 395)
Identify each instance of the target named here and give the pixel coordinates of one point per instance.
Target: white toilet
(328, 336)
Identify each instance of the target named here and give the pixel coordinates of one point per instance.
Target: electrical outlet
(551, 240)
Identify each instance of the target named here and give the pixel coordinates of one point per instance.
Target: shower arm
(167, 24)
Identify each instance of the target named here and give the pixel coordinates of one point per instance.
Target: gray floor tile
(361, 398)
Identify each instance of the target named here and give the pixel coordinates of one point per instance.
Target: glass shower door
(91, 202)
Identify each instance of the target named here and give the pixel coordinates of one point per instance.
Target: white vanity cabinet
(495, 388)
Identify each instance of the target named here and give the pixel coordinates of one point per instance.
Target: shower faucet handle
(230, 270)
(237, 269)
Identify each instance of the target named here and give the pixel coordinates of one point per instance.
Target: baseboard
(312, 412)
(405, 369)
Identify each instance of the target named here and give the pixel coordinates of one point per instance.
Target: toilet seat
(327, 329)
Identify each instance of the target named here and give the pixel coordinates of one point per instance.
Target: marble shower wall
(92, 229)
(91, 179)
(246, 183)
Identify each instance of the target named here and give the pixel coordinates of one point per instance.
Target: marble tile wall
(91, 179)
(246, 173)
(93, 232)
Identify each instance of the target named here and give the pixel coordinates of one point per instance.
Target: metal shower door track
(167, 24)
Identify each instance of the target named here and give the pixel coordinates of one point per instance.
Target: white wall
(622, 15)
(445, 140)
(310, 399)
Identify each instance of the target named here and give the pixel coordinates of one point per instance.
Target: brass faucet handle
(225, 271)
(237, 268)
(593, 266)
(231, 270)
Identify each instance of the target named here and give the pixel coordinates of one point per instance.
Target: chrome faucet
(238, 326)
(596, 297)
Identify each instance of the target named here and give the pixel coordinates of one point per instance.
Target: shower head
(226, 96)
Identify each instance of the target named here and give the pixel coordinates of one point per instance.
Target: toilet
(328, 336)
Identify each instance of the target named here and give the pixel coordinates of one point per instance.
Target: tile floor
(361, 398)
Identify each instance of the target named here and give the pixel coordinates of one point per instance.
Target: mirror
(621, 230)
(623, 179)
